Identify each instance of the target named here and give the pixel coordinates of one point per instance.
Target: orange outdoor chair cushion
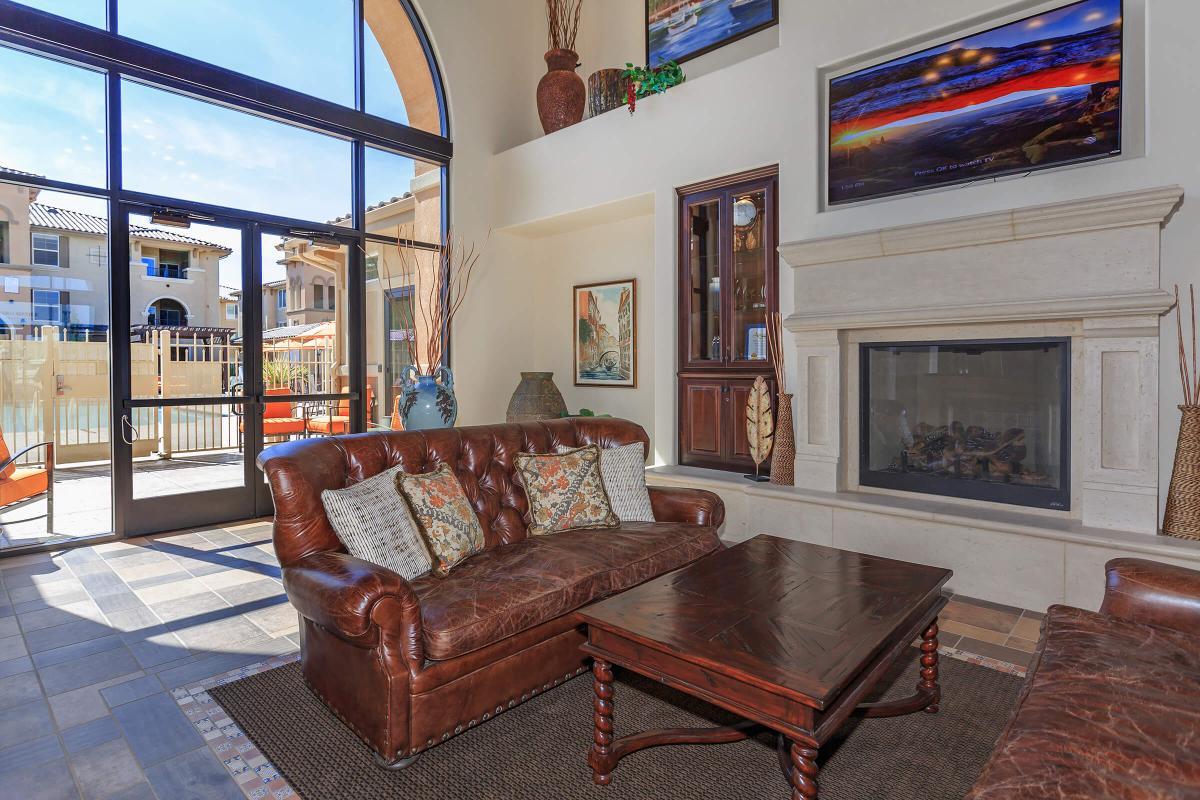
(24, 484)
(283, 425)
(5, 454)
(335, 426)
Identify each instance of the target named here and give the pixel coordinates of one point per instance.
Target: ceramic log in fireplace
(983, 420)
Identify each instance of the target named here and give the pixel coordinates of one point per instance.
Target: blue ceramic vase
(427, 401)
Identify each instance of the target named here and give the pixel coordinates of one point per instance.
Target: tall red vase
(561, 93)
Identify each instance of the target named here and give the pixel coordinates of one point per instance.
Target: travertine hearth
(1086, 272)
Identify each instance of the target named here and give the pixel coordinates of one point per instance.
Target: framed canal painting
(605, 333)
(678, 30)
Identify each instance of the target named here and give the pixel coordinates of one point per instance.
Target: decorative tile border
(254, 774)
(257, 777)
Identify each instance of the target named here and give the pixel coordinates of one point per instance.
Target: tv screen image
(1032, 94)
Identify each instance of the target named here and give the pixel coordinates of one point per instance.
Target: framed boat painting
(605, 334)
(679, 30)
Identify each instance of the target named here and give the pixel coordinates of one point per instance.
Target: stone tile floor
(101, 647)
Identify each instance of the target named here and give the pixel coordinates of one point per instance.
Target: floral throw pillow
(447, 521)
(565, 491)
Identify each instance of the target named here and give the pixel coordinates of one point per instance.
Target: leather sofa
(1111, 704)
(409, 664)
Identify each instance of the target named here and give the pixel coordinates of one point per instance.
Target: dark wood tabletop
(791, 617)
(788, 635)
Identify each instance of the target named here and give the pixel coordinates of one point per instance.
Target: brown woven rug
(538, 750)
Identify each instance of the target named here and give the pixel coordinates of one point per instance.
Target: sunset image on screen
(1035, 93)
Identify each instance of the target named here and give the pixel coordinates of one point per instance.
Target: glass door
(306, 346)
(187, 442)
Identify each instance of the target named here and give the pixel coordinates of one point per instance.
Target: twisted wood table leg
(601, 758)
(804, 772)
(929, 666)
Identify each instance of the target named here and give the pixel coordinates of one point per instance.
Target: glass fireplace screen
(983, 420)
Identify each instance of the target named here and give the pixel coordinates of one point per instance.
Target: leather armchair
(1156, 594)
(409, 664)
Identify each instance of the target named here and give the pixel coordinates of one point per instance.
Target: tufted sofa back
(481, 457)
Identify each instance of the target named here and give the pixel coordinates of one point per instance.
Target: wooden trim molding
(729, 180)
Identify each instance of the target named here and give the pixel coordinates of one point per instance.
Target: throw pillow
(624, 471)
(373, 522)
(448, 523)
(566, 492)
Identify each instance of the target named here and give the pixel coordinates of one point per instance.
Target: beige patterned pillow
(448, 523)
(565, 491)
(624, 471)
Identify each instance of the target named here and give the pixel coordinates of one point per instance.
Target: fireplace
(982, 419)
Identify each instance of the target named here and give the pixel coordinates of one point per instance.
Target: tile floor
(93, 641)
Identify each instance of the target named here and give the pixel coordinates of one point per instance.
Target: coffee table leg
(804, 772)
(600, 758)
(929, 666)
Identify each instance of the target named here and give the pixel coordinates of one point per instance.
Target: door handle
(128, 432)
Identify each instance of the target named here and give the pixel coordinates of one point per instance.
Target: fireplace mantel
(1086, 269)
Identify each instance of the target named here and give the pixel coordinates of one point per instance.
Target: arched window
(167, 313)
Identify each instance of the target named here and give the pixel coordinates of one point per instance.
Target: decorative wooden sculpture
(760, 425)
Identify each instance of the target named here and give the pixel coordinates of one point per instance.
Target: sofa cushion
(565, 491)
(1111, 709)
(374, 523)
(506, 590)
(447, 522)
(624, 472)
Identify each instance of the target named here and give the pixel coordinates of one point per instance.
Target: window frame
(34, 249)
(56, 306)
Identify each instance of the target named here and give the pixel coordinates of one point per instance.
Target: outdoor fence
(53, 389)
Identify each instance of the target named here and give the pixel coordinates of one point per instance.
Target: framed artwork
(756, 341)
(679, 30)
(605, 334)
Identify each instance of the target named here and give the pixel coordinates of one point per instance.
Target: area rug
(538, 750)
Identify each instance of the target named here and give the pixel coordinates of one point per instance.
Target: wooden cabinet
(728, 284)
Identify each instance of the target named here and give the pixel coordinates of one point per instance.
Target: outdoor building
(54, 264)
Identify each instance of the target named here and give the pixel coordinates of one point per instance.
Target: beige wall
(757, 102)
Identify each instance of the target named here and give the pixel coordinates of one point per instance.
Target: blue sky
(54, 118)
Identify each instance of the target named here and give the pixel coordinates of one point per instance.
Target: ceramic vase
(783, 461)
(427, 401)
(561, 93)
(536, 398)
(1182, 519)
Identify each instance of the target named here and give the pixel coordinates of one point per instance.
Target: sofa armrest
(360, 602)
(1147, 591)
(689, 506)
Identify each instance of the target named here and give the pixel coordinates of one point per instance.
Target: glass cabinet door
(750, 290)
(704, 258)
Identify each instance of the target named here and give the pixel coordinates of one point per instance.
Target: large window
(172, 156)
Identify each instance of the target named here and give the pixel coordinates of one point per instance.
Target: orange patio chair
(22, 485)
(336, 424)
(278, 418)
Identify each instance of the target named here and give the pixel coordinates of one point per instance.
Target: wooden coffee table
(787, 635)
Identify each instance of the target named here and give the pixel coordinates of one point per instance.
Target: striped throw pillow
(624, 471)
(373, 522)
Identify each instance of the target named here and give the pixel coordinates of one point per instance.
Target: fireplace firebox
(982, 420)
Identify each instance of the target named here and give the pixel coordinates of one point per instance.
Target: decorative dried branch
(440, 280)
(1189, 376)
(563, 16)
(775, 348)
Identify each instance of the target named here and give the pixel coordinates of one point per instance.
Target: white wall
(765, 109)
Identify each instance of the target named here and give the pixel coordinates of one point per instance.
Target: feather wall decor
(760, 423)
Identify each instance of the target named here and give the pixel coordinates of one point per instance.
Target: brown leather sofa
(1111, 705)
(409, 664)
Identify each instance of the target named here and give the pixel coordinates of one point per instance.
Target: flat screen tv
(1037, 93)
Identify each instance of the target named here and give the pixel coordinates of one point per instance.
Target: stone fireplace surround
(1087, 270)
